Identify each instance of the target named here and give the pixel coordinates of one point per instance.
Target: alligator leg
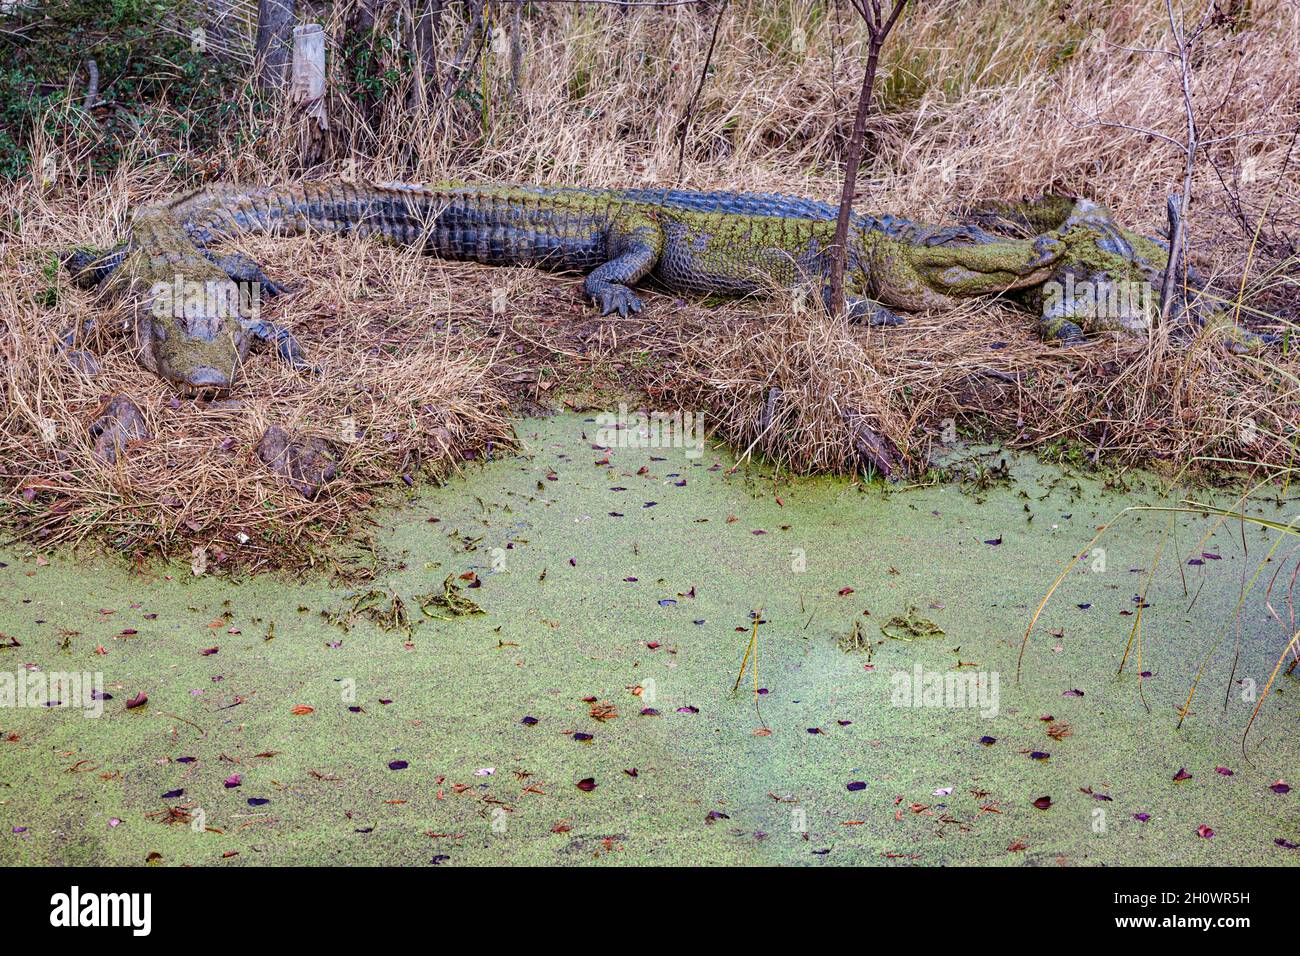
(242, 269)
(286, 346)
(90, 267)
(635, 242)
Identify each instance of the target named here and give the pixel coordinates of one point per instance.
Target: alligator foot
(78, 358)
(286, 346)
(90, 267)
(244, 270)
(612, 297)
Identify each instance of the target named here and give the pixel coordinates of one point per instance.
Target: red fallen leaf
(234, 780)
(762, 732)
(1204, 832)
(129, 632)
(302, 710)
(631, 771)
(587, 784)
(468, 576)
(1280, 787)
(209, 651)
(229, 853)
(845, 592)
(1042, 803)
(1223, 771)
(1017, 847)
(1182, 774)
(101, 649)
(139, 700)
(563, 826)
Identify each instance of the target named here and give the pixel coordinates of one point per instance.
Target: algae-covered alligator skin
(716, 243)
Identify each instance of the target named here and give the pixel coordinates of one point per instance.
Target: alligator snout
(206, 380)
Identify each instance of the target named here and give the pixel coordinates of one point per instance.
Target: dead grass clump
(796, 387)
(395, 401)
(799, 389)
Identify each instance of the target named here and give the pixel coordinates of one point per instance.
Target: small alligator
(717, 243)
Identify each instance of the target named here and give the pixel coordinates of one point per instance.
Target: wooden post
(308, 87)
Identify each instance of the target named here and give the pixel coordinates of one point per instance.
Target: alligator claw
(618, 298)
(286, 346)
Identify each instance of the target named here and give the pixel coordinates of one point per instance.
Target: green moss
(450, 701)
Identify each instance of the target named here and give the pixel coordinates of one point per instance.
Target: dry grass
(979, 98)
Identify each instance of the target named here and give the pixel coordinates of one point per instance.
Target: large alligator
(1068, 255)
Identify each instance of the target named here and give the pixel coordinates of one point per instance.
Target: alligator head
(188, 312)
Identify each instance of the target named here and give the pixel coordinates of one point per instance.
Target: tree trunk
(851, 163)
(274, 47)
(425, 34)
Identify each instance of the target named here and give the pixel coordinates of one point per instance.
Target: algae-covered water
(588, 714)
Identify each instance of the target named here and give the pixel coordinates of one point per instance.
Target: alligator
(1040, 253)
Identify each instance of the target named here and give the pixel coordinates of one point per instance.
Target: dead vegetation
(419, 374)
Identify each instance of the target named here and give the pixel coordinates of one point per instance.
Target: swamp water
(588, 714)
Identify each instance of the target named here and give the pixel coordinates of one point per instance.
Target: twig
(878, 27)
(684, 126)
